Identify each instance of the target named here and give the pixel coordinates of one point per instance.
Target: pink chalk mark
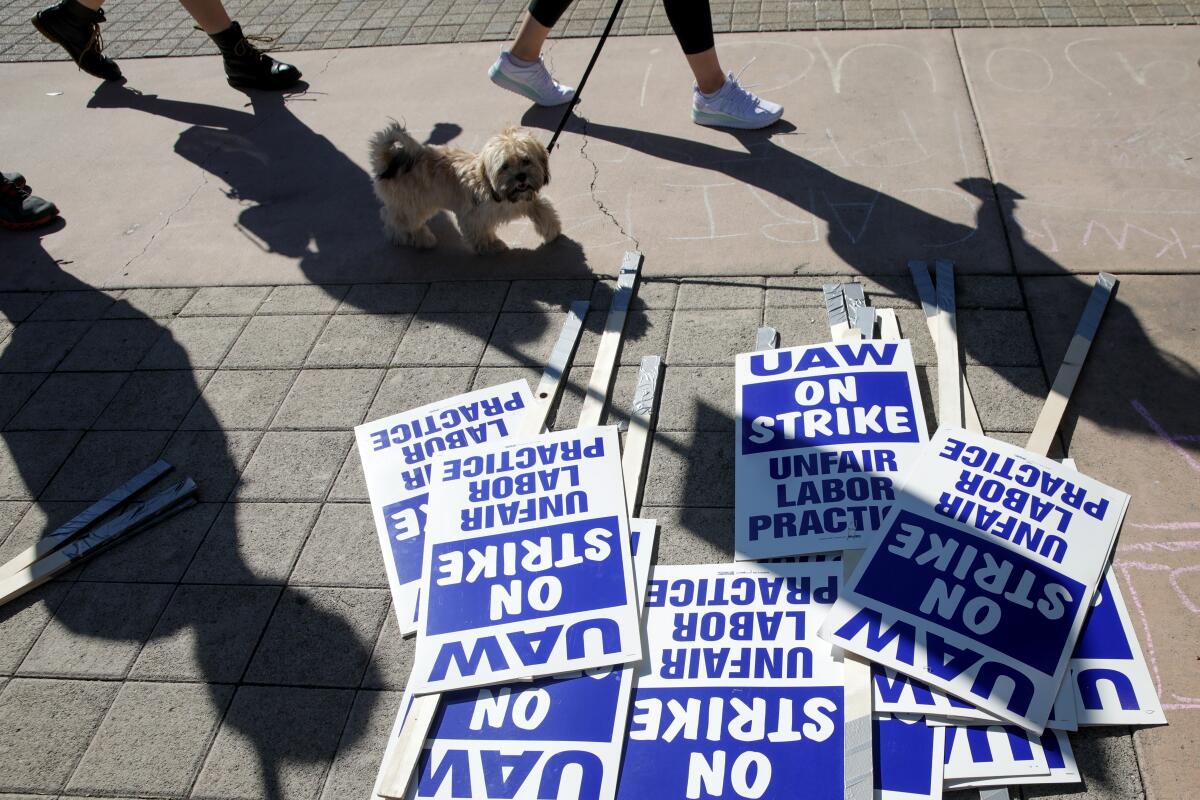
(1136, 600)
(1147, 547)
(1167, 526)
(1172, 441)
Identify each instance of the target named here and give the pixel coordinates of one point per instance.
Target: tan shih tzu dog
(414, 181)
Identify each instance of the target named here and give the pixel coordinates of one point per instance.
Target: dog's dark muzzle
(521, 192)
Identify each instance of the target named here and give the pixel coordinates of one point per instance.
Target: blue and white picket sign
(981, 579)
(527, 568)
(995, 751)
(901, 694)
(1109, 676)
(822, 434)
(895, 693)
(554, 737)
(396, 454)
(736, 697)
(1052, 746)
(909, 755)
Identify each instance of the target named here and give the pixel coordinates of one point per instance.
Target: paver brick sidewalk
(150, 28)
(246, 648)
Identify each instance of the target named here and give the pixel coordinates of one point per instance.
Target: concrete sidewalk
(220, 293)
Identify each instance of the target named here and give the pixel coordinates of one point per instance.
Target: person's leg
(210, 15)
(528, 44)
(521, 70)
(717, 98)
(74, 25)
(246, 67)
(707, 69)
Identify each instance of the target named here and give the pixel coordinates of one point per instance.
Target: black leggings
(690, 19)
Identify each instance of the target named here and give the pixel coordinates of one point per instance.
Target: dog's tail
(393, 151)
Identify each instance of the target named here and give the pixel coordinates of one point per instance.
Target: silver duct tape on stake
(835, 311)
(865, 322)
(600, 383)
(994, 794)
(69, 530)
(401, 764)
(928, 297)
(767, 338)
(1064, 383)
(856, 303)
(641, 424)
(950, 398)
(137, 516)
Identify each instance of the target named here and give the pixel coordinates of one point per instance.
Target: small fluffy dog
(414, 181)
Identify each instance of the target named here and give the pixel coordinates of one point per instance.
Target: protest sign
(980, 581)
(909, 754)
(396, 454)
(1052, 746)
(736, 697)
(554, 737)
(995, 751)
(527, 568)
(822, 434)
(1109, 677)
(900, 694)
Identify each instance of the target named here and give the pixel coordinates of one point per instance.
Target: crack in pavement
(595, 178)
(165, 225)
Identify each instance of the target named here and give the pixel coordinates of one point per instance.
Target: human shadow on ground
(303, 198)
(299, 196)
(95, 390)
(764, 162)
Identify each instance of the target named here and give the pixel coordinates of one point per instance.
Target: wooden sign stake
(69, 530)
(600, 384)
(928, 297)
(1064, 383)
(950, 398)
(637, 438)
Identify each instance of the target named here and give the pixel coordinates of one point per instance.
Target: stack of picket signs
(905, 613)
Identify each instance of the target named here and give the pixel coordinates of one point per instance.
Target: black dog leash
(579, 89)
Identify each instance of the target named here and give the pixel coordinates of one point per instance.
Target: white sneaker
(733, 107)
(533, 81)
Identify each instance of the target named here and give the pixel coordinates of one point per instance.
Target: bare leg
(94, 5)
(209, 14)
(707, 69)
(528, 44)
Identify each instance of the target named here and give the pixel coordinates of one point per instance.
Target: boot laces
(95, 42)
(246, 48)
(18, 193)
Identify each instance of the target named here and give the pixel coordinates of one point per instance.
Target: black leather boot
(247, 67)
(77, 28)
(20, 209)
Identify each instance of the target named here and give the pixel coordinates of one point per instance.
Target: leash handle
(562, 123)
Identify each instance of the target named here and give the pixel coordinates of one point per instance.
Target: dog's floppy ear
(487, 182)
(401, 162)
